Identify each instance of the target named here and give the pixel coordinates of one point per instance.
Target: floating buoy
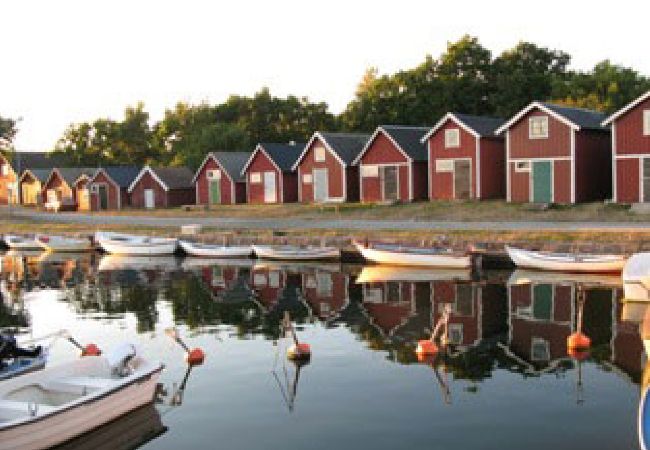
(91, 350)
(426, 347)
(578, 341)
(195, 357)
(578, 354)
(299, 351)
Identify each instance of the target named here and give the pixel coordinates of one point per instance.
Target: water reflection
(500, 323)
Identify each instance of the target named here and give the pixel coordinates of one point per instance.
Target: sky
(70, 61)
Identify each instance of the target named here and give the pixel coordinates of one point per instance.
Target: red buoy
(299, 351)
(578, 341)
(91, 350)
(195, 357)
(578, 354)
(426, 347)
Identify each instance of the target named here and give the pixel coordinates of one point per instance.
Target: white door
(321, 187)
(149, 199)
(269, 187)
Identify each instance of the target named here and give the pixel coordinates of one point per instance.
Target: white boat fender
(120, 357)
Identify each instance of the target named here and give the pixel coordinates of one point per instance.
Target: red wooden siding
(493, 168)
(627, 180)
(261, 164)
(162, 198)
(112, 191)
(203, 186)
(56, 182)
(519, 185)
(629, 132)
(383, 152)
(558, 143)
(334, 168)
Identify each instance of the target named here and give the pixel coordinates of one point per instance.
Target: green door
(542, 180)
(215, 192)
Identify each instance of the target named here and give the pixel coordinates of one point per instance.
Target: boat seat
(23, 407)
(74, 384)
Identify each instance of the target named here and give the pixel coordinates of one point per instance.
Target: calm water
(506, 382)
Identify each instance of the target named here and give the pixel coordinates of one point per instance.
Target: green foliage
(7, 133)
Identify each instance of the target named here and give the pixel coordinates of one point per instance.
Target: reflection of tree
(10, 318)
(192, 304)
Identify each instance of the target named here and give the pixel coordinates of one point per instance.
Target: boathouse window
(540, 350)
(444, 165)
(452, 138)
(214, 174)
(4, 170)
(307, 178)
(324, 284)
(256, 177)
(646, 122)
(369, 171)
(522, 166)
(319, 154)
(538, 127)
(456, 333)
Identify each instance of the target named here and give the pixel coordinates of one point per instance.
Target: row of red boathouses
(546, 153)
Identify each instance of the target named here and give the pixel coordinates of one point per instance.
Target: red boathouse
(219, 180)
(268, 174)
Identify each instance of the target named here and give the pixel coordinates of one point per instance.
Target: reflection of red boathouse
(326, 292)
(390, 304)
(219, 278)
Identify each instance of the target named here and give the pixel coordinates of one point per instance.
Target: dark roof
(233, 163)
(408, 138)
(482, 125)
(584, 118)
(40, 174)
(123, 176)
(20, 161)
(71, 174)
(346, 145)
(175, 177)
(283, 155)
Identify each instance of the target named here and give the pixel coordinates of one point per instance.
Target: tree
(8, 132)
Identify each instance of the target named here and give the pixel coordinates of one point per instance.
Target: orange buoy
(195, 357)
(426, 347)
(578, 341)
(91, 350)
(299, 351)
(578, 354)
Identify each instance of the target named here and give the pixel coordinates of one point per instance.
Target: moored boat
(17, 242)
(42, 409)
(412, 256)
(636, 278)
(565, 262)
(296, 253)
(63, 244)
(214, 250)
(127, 244)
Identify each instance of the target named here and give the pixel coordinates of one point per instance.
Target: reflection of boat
(298, 266)
(199, 263)
(636, 277)
(24, 253)
(124, 262)
(127, 244)
(21, 242)
(215, 251)
(373, 274)
(53, 257)
(412, 256)
(22, 365)
(63, 244)
(128, 432)
(46, 408)
(565, 262)
(295, 253)
(523, 276)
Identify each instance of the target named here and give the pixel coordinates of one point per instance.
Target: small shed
(325, 168)
(557, 154)
(13, 164)
(631, 151)
(219, 179)
(109, 187)
(393, 165)
(66, 189)
(466, 158)
(31, 184)
(162, 187)
(269, 175)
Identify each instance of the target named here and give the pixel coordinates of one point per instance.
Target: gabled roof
(40, 174)
(122, 176)
(284, 156)
(168, 177)
(20, 161)
(626, 108)
(576, 118)
(478, 126)
(231, 162)
(345, 146)
(407, 139)
(71, 174)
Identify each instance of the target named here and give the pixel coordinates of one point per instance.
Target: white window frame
(452, 138)
(370, 171)
(307, 178)
(4, 170)
(522, 166)
(214, 174)
(256, 177)
(319, 154)
(544, 121)
(646, 122)
(537, 344)
(444, 165)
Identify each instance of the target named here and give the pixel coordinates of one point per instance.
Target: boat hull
(297, 253)
(21, 243)
(566, 262)
(126, 244)
(61, 244)
(398, 258)
(216, 251)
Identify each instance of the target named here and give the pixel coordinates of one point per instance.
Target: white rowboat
(63, 244)
(412, 256)
(296, 253)
(42, 409)
(16, 242)
(566, 262)
(636, 278)
(215, 251)
(126, 244)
